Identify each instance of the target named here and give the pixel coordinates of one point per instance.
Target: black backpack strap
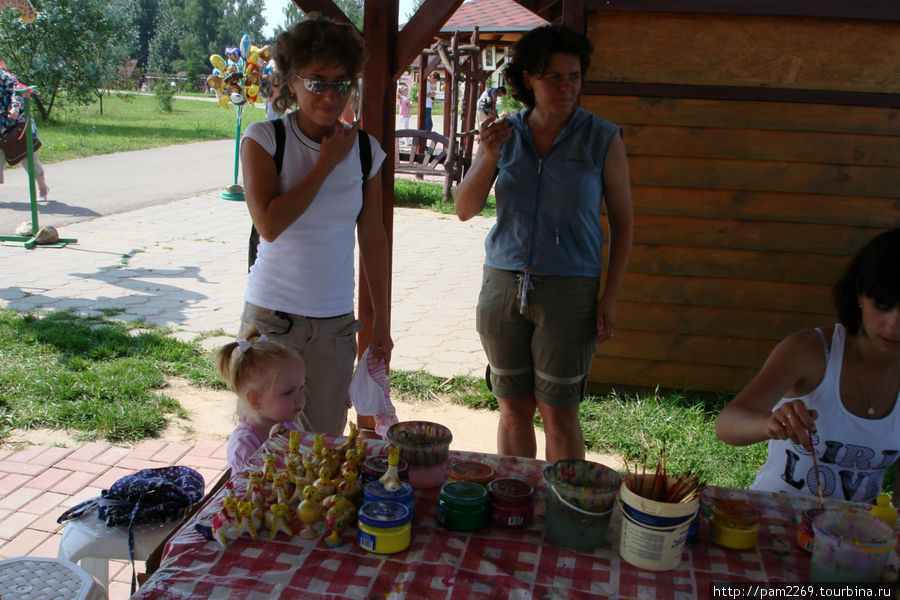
(365, 155)
(279, 144)
(278, 157)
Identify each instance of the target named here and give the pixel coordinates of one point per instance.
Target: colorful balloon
(218, 62)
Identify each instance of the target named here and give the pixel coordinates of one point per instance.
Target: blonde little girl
(268, 379)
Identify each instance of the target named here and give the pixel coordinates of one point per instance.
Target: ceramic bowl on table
(426, 447)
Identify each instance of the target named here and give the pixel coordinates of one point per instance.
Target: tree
(354, 9)
(69, 48)
(146, 18)
(291, 15)
(199, 22)
(242, 16)
(163, 49)
(415, 7)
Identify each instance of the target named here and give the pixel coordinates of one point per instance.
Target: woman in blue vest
(542, 308)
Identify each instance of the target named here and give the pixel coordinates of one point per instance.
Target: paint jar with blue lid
(375, 491)
(464, 506)
(384, 527)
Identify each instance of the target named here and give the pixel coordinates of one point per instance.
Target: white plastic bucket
(653, 533)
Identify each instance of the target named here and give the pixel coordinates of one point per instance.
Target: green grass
(633, 426)
(93, 375)
(135, 122)
(421, 194)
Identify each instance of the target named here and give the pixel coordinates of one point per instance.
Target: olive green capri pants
(544, 349)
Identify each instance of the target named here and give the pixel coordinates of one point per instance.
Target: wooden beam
(887, 10)
(445, 59)
(419, 31)
(451, 102)
(326, 8)
(378, 118)
(725, 92)
(573, 15)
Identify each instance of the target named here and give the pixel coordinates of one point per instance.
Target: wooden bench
(425, 155)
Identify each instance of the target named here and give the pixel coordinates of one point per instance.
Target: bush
(165, 95)
(507, 105)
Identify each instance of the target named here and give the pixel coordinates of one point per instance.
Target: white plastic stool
(29, 578)
(90, 541)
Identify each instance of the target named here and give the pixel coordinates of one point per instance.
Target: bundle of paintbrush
(659, 486)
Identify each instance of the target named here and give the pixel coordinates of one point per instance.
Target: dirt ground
(211, 417)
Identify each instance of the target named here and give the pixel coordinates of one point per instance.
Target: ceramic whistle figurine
(391, 478)
(277, 520)
(280, 493)
(350, 442)
(224, 525)
(246, 520)
(884, 510)
(309, 512)
(324, 485)
(349, 487)
(331, 461)
(336, 519)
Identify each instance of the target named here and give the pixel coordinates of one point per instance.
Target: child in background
(404, 103)
(268, 379)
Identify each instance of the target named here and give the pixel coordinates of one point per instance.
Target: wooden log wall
(764, 151)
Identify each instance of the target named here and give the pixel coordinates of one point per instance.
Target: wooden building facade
(764, 148)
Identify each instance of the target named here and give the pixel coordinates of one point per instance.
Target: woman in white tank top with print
(832, 391)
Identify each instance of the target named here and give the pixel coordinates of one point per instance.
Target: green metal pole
(237, 143)
(29, 144)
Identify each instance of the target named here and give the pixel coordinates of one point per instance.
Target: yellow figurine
(280, 493)
(336, 519)
(324, 485)
(349, 486)
(391, 478)
(361, 446)
(225, 523)
(318, 446)
(294, 442)
(884, 510)
(330, 459)
(245, 522)
(351, 440)
(309, 512)
(254, 486)
(277, 520)
(269, 468)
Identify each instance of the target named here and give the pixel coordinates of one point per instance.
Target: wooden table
(490, 563)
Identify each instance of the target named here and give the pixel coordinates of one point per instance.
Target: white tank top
(852, 452)
(309, 269)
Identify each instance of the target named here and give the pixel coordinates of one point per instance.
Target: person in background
(300, 291)
(432, 84)
(404, 105)
(542, 309)
(12, 109)
(826, 398)
(268, 380)
(487, 103)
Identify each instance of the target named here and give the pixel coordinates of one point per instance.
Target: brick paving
(30, 503)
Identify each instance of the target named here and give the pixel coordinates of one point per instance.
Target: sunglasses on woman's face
(319, 87)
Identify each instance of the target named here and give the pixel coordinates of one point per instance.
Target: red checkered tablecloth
(494, 563)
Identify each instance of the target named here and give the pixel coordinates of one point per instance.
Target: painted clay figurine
(309, 512)
(391, 478)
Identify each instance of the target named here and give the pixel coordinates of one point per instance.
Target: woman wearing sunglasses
(301, 287)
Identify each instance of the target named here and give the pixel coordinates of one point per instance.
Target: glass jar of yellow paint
(734, 524)
(384, 527)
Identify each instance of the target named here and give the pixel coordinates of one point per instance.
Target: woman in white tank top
(831, 391)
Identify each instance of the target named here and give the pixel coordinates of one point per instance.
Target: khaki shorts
(546, 351)
(328, 346)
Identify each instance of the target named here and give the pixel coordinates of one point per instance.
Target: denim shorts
(545, 348)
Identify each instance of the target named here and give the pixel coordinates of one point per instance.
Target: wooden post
(451, 114)
(379, 119)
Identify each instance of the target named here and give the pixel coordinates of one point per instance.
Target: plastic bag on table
(370, 390)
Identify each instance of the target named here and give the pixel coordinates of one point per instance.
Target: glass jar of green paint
(464, 506)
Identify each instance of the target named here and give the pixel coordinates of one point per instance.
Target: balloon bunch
(243, 75)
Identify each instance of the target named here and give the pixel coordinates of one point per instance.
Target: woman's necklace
(874, 400)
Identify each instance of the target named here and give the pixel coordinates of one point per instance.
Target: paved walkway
(183, 264)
